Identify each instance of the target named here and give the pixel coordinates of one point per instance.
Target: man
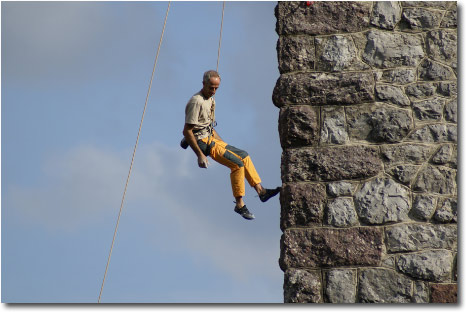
(204, 140)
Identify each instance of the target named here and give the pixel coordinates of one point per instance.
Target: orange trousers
(237, 160)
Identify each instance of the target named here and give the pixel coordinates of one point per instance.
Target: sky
(74, 78)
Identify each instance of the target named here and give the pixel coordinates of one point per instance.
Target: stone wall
(368, 126)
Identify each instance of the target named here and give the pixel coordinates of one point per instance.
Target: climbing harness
(139, 132)
(134, 152)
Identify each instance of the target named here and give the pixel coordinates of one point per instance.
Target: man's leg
(241, 167)
(251, 174)
(221, 154)
(250, 171)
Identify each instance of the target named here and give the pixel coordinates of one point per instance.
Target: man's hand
(202, 161)
(189, 136)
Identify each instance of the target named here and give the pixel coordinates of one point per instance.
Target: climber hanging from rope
(199, 133)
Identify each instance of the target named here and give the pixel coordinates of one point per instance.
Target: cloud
(75, 187)
(83, 187)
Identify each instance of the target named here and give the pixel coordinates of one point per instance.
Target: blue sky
(74, 81)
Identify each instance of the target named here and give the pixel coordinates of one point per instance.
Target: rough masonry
(368, 125)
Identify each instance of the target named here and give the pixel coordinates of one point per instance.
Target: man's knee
(233, 158)
(241, 153)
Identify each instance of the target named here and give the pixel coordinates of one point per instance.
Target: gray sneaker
(244, 212)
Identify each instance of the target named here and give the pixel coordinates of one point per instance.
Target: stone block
(447, 88)
(420, 19)
(295, 53)
(340, 286)
(383, 286)
(421, 90)
(358, 120)
(380, 201)
(302, 204)
(454, 157)
(330, 163)
(333, 129)
(386, 14)
(389, 125)
(452, 5)
(378, 123)
(337, 53)
(321, 18)
(443, 154)
(387, 50)
(324, 88)
(399, 75)
(450, 19)
(451, 111)
(403, 173)
(360, 40)
(432, 265)
(421, 292)
(391, 94)
(388, 262)
(341, 213)
(436, 180)
(447, 210)
(441, 45)
(423, 207)
(327, 247)
(436, 133)
(302, 286)
(428, 110)
(442, 5)
(340, 188)
(430, 70)
(444, 293)
(406, 154)
(418, 236)
(298, 126)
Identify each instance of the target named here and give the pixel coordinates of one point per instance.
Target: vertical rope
(218, 60)
(220, 39)
(134, 153)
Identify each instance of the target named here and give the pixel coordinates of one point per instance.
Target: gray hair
(209, 74)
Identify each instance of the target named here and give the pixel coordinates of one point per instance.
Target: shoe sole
(247, 218)
(252, 218)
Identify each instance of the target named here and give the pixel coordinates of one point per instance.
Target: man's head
(210, 82)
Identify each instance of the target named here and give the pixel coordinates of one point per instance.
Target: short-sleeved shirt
(198, 112)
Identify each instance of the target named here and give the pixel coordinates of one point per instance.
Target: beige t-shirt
(198, 114)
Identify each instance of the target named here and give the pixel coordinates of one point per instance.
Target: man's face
(211, 87)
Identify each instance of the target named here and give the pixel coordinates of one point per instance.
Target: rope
(220, 39)
(218, 60)
(134, 152)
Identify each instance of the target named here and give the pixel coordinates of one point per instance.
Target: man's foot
(244, 212)
(269, 193)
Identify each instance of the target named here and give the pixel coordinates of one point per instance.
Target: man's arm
(202, 160)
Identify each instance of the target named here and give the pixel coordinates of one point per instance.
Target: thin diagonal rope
(134, 153)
